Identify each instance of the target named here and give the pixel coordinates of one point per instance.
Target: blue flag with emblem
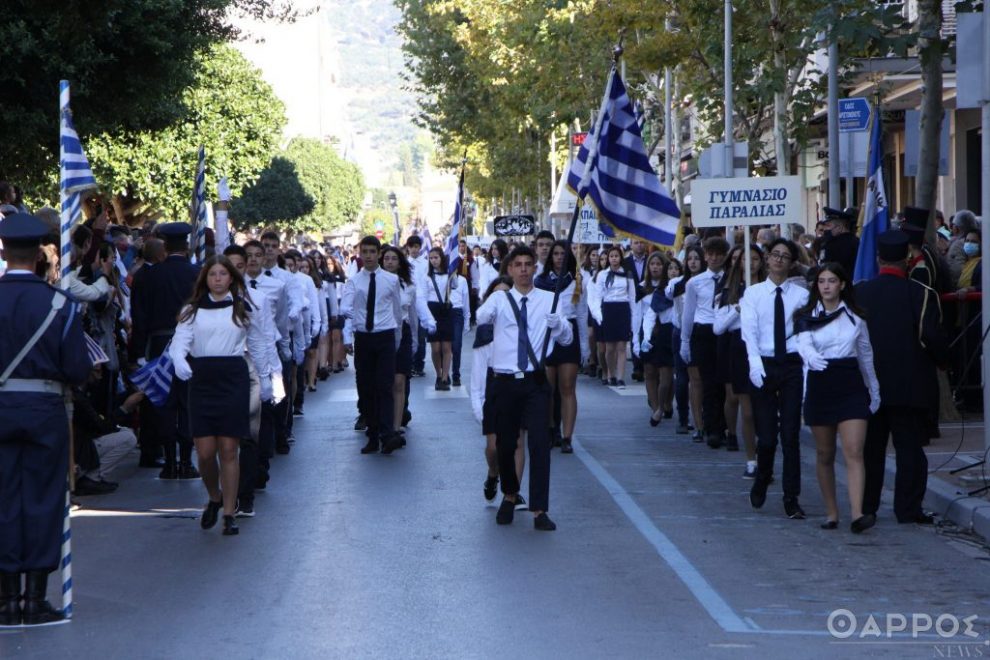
(453, 256)
(613, 170)
(75, 176)
(876, 214)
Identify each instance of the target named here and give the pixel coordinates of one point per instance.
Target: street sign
(771, 200)
(514, 225)
(854, 115)
(577, 139)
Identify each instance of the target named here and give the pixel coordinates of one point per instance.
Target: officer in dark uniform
(902, 317)
(157, 296)
(840, 245)
(42, 353)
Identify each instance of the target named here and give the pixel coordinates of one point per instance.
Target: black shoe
(360, 424)
(716, 440)
(521, 503)
(697, 436)
(445, 386)
(37, 609)
(833, 524)
(543, 523)
(244, 510)
(230, 526)
(311, 388)
(555, 438)
(151, 463)
(613, 382)
(406, 418)
(605, 381)
(566, 447)
(169, 472)
(261, 482)
(391, 443)
(282, 448)
(187, 471)
(637, 376)
(654, 421)
(863, 523)
(682, 429)
(793, 509)
(10, 599)
(297, 411)
(621, 384)
(86, 486)
(758, 493)
(210, 514)
(732, 443)
(668, 414)
(438, 385)
(322, 373)
(922, 518)
(371, 447)
(506, 511)
(456, 382)
(491, 487)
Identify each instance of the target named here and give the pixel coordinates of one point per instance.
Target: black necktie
(268, 273)
(779, 327)
(254, 284)
(522, 354)
(715, 289)
(369, 321)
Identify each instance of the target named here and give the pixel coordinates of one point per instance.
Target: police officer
(158, 294)
(42, 352)
(902, 317)
(840, 244)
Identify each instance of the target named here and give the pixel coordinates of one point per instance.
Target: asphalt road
(658, 554)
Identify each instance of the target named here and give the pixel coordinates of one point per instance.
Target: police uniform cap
(892, 245)
(22, 229)
(836, 214)
(174, 229)
(915, 223)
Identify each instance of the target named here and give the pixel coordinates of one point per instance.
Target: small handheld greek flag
(75, 175)
(613, 169)
(155, 379)
(95, 352)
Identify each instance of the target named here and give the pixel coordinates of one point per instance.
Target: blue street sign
(854, 115)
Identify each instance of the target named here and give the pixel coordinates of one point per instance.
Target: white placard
(588, 229)
(760, 201)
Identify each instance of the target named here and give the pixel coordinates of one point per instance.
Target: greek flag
(95, 352)
(75, 175)
(613, 169)
(155, 379)
(453, 256)
(876, 215)
(427, 239)
(199, 209)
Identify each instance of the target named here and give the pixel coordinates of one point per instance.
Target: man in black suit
(902, 317)
(635, 265)
(840, 245)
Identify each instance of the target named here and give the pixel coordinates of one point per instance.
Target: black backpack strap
(537, 364)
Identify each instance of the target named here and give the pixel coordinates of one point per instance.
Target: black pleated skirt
(616, 323)
(570, 354)
(662, 353)
(488, 407)
(443, 315)
(738, 363)
(723, 373)
(836, 394)
(404, 354)
(219, 397)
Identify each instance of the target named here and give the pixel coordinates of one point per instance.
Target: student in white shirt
(520, 390)
(653, 338)
(207, 350)
(589, 271)
(441, 291)
(337, 278)
(307, 266)
(842, 389)
(488, 272)
(462, 311)
(698, 344)
(615, 298)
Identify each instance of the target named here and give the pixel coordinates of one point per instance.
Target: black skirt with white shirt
(836, 394)
(219, 397)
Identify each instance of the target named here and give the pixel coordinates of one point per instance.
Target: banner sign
(589, 230)
(514, 225)
(757, 201)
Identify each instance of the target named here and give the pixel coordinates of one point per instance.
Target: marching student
(675, 274)
(616, 297)
(737, 386)
(310, 327)
(439, 289)
(698, 344)
(373, 303)
(521, 319)
(653, 337)
(694, 265)
(589, 351)
(842, 390)
(337, 279)
(562, 364)
(214, 329)
(480, 389)
(490, 269)
(321, 321)
(419, 266)
(766, 314)
(460, 315)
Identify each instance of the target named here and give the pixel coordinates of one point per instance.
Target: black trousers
(374, 366)
(681, 397)
(777, 412)
(704, 353)
(282, 413)
(34, 459)
(523, 403)
(266, 440)
(906, 427)
(248, 456)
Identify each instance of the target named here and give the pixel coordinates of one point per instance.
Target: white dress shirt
(726, 319)
(645, 318)
(678, 308)
(273, 289)
(845, 337)
(621, 289)
(388, 301)
(460, 298)
(497, 310)
(292, 291)
(487, 273)
(756, 313)
(213, 333)
(481, 360)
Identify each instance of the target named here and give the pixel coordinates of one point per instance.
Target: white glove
(815, 362)
(182, 369)
(646, 346)
(585, 355)
(278, 387)
(266, 388)
(553, 321)
(874, 402)
(430, 329)
(686, 353)
(757, 373)
(223, 190)
(141, 362)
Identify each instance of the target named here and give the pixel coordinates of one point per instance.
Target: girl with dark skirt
(653, 331)
(594, 302)
(675, 271)
(307, 266)
(207, 349)
(438, 290)
(728, 325)
(617, 297)
(589, 267)
(694, 265)
(338, 356)
(841, 389)
(562, 364)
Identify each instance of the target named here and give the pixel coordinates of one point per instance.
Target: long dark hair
(403, 270)
(501, 246)
(444, 264)
(679, 288)
(846, 295)
(314, 272)
(647, 283)
(736, 276)
(570, 262)
(321, 264)
(239, 313)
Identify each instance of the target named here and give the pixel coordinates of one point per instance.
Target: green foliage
(335, 186)
(229, 109)
(276, 198)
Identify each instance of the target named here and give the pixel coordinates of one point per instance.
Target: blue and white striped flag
(95, 352)
(199, 209)
(453, 255)
(427, 239)
(876, 214)
(75, 175)
(612, 168)
(155, 379)
(640, 115)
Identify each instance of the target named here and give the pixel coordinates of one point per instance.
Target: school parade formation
(629, 420)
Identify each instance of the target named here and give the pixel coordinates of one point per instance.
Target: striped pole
(67, 559)
(199, 196)
(68, 214)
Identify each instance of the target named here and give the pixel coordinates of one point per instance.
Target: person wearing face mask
(972, 271)
(840, 245)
